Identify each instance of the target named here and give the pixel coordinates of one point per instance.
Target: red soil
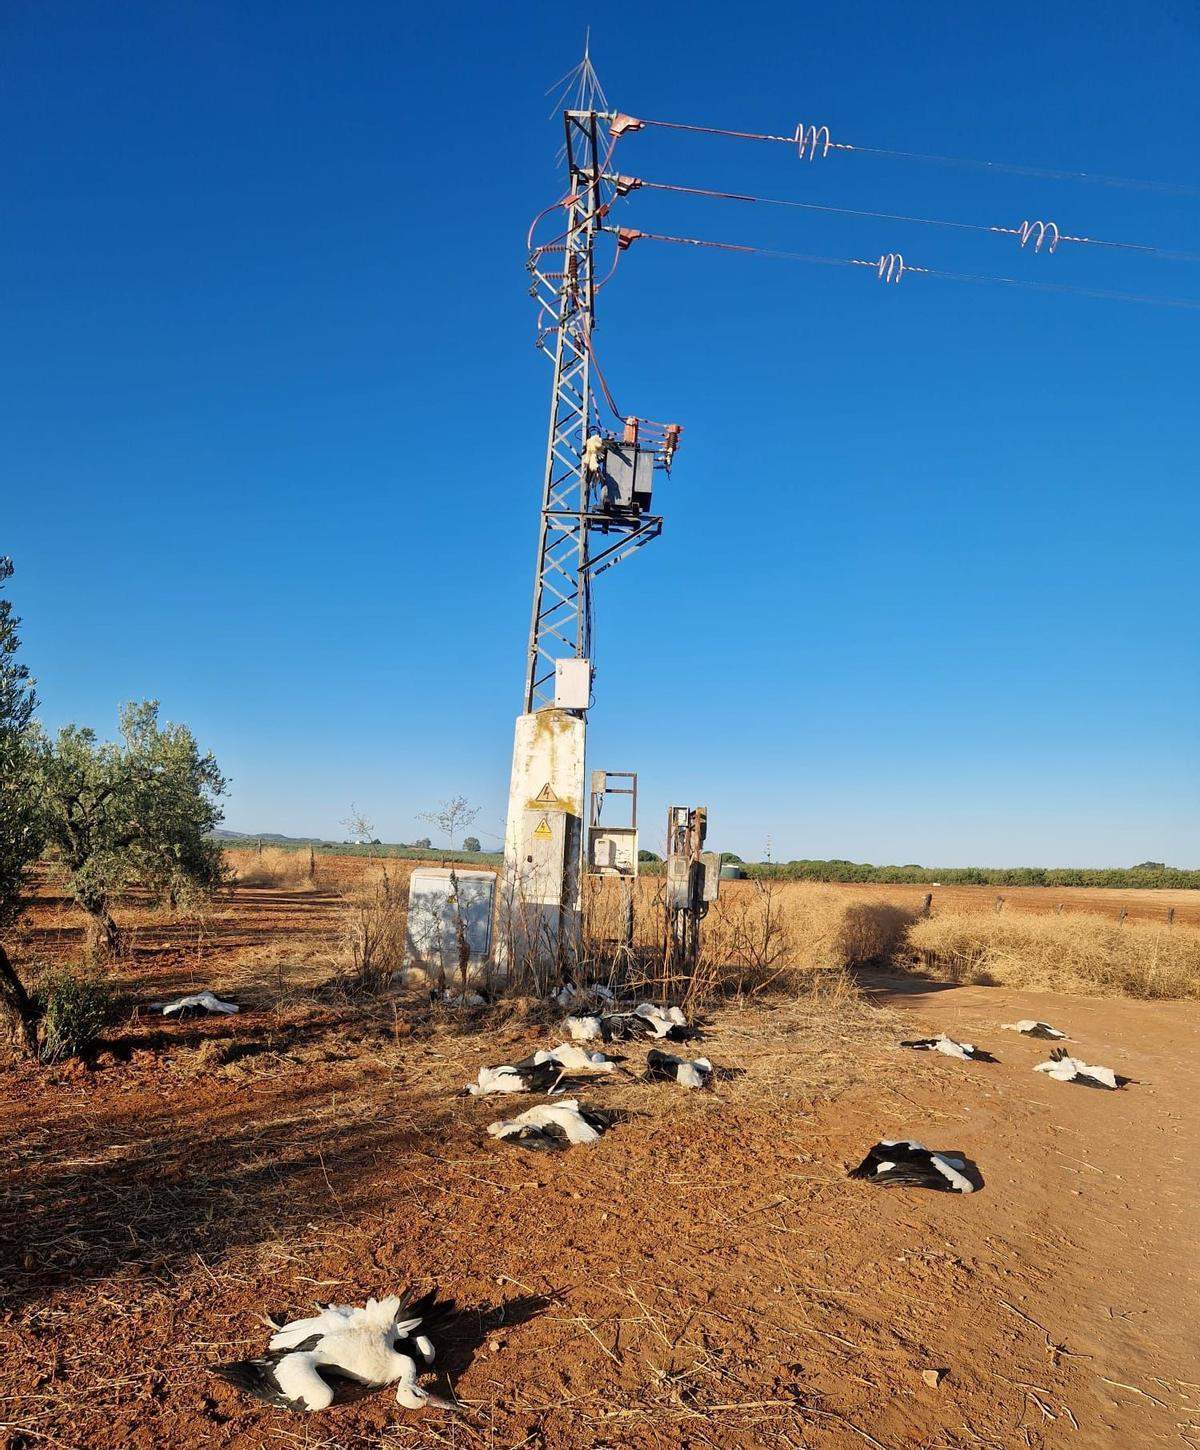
(705, 1275)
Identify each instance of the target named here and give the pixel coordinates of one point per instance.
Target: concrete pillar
(539, 909)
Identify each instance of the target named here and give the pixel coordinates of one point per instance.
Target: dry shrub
(376, 917)
(787, 935)
(758, 934)
(273, 866)
(1059, 953)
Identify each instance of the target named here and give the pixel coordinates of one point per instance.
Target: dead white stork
(898, 1163)
(343, 1353)
(1070, 1069)
(1028, 1027)
(949, 1048)
(553, 1126)
(665, 1067)
(197, 1005)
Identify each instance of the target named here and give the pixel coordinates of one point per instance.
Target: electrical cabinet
(543, 855)
(628, 479)
(572, 684)
(447, 908)
(613, 850)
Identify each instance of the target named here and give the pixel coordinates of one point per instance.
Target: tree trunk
(22, 1013)
(104, 936)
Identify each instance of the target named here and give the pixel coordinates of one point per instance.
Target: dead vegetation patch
(1059, 953)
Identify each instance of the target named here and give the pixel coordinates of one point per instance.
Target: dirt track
(706, 1275)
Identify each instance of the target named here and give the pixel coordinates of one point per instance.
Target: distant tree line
(1146, 875)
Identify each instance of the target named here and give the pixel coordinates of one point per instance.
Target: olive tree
(20, 822)
(133, 812)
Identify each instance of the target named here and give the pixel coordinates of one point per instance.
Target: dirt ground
(706, 1275)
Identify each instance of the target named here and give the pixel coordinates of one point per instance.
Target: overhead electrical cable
(892, 266)
(1035, 231)
(815, 141)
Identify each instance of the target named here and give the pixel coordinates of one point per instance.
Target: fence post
(999, 905)
(926, 905)
(1170, 916)
(1123, 915)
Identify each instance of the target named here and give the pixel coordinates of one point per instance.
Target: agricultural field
(705, 1275)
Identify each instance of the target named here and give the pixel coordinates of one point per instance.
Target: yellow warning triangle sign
(542, 830)
(546, 796)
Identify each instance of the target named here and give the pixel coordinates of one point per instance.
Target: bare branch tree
(452, 816)
(359, 827)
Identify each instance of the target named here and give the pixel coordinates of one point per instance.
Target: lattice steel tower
(590, 493)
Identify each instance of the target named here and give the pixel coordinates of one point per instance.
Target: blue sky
(271, 418)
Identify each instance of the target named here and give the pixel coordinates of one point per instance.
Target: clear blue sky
(271, 419)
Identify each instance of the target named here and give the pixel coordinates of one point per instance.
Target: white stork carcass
(948, 1047)
(343, 1353)
(1070, 1069)
(198, 1004)
(665, 1067)
(551, 1126)
(900, 1163)
(1029, 1027)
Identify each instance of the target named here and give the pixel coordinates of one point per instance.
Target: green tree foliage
(20, 817)
(1151, 875)
(132, 812)
(471, 843)
(648, 856)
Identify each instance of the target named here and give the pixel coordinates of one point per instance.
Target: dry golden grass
(784, 934)
(272, 866)
(1059, 953)
(760, 934)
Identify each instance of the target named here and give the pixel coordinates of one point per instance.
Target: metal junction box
(572, 684)
(710, 864)
(613, 850)
(543, 855)
(442, 901)
(628, 479)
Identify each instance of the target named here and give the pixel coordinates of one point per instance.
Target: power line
(812, 142)
(1038, 232)
(891, 267)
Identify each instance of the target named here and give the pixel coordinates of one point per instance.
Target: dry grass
(1059, 954)
(272, 866)
(758, 934)
(765, 933)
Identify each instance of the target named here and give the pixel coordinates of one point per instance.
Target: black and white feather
(965, 1051)
(198, 1004)
(645, 1021)
(571, 995)
(551, 1126)
(1070, 1069)
(1028, 1027)
(345, 1352)
(665, 1067)
(542, 1072)
(575, 1059)
(528, 1076)
(900, 1163)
